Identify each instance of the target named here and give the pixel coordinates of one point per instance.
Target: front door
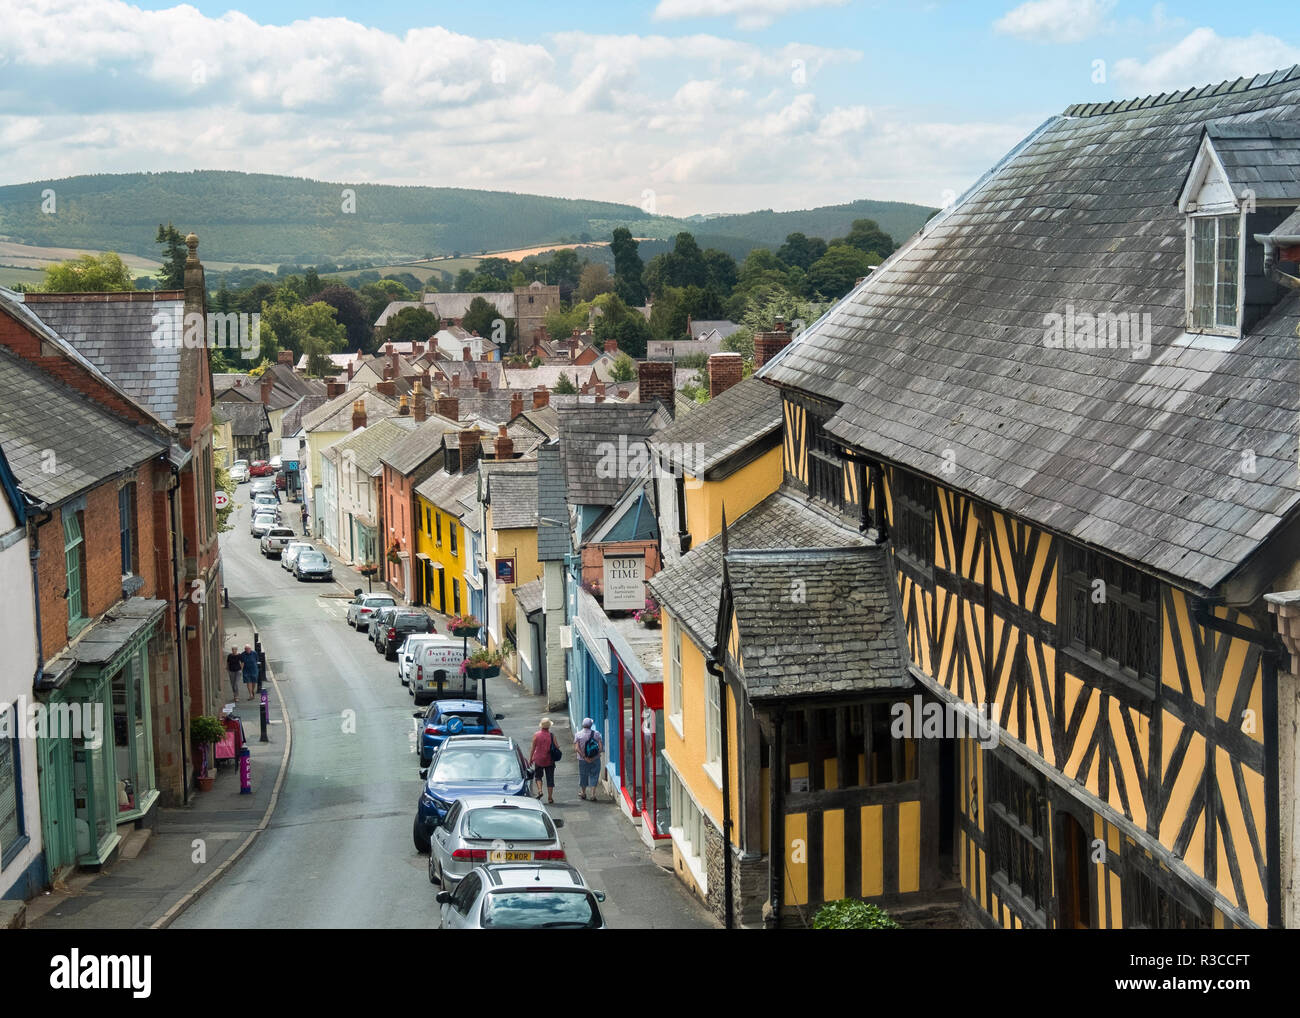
(1075, 873)
(58, 823)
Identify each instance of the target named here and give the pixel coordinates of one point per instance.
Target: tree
(412, 325)
(623, 369)
(172, 274)
(487, 321)
(684, 265)
(88, 273)
(495, 268)
(351, 312)
(866, 236)
(627, 268)
(252, 299)
(835, 273)
(378, 295)
(561, 323)
(800, 250)
(311, 329)
(721, 271)
(564, 385)
(626, 326)
(594, 281)
(563, 270)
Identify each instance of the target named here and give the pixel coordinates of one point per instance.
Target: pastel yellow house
(441, 544)
(509, 498)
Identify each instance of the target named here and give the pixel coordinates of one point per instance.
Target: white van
(406, 655)
(435, 663)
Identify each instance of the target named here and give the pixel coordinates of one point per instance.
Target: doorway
(1074, 893)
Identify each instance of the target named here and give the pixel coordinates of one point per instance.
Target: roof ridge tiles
(1242, 84)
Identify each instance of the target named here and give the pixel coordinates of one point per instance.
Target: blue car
(450, 717)
(468, 765)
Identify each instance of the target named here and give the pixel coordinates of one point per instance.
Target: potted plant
(482, 664)
(852, 914)
(204, 731)
(649, 615)
(369, 569)
(393, 556)
(465, 625)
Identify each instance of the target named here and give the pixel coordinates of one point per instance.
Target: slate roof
(292, 420)
(336, 414)
(423, 442)
(842, 635)
(456, 305)
(724, 327)
(44, 424)
(614, 431)
(245, 418)
(723, 426)
(511, 487)
(941, 349)
(395, 307)
(368, 444)
(691, 587)
(446, 490)
(115, 332)
(529, 596)
(528, 379)
(1263, 156)
(553, 538)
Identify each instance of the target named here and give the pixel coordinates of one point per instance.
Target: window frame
(826, 461)
(1006, 874)
(675, 695)
(914, 499)
(75, 548)
(1191, 323)
(10, 849)
(128, 519)
(712, 723)
(1095, 635)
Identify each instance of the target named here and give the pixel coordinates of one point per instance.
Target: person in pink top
(543, 756)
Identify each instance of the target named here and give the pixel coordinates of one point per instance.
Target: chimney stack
(352, 366)
(447, 406)
(417, 349)
(388, 388)
(404, 407)
(471, 448)
(541, 397)
(196, 293)
(725, 370)
(466, 354)
(505, 448)
(358, 414)
(285, 357)
(455, 380)
(333, 389)
(600, 392)
(268, 383)
(611, 346)
(655, 382)
(419, 408)
(516, 404)
(768, 344)
(392, 362)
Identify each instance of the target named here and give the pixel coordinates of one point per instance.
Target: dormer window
(1215, 261)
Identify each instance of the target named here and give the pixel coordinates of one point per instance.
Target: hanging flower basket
(479, 672)
(465, 625)
(369, 569)
(649, 615)
(393, 556)
(482, 664)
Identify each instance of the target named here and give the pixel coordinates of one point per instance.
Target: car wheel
(434, 876)
(421, 836)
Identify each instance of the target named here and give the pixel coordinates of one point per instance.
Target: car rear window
(282, 532)
(378, 602)
(544, 908)
(478, 765)
(510, 823)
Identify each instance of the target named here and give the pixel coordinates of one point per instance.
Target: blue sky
(692, 105)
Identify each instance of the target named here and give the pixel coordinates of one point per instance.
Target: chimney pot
(611, 346)
(541, 397)
(285, 357)
(268, 383)
(725, 370)
(655, 382)
(471, 448)
(516, 404)
(358, 414)
(404, 407)
(351, 367)
(504, 447)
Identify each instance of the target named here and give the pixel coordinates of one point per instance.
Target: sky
(679, 106)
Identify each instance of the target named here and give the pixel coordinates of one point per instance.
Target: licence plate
(499, 855)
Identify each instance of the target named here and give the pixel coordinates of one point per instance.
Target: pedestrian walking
(250, 669)
(234, 665)
(544, 755)
(589, 747)
(304, 519)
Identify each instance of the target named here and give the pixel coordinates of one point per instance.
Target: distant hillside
(251, 218)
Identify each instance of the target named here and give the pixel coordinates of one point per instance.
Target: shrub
(851, 914)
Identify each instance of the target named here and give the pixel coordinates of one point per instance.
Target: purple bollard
(245, 771)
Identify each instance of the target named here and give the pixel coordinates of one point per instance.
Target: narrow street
(338, 851)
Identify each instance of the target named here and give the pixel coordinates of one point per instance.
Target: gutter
(35, 521)
(180, 644)
(1270, 654)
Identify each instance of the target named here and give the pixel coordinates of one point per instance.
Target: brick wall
(655, 381)
(725, 370)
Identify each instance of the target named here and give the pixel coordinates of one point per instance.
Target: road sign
(222, 500)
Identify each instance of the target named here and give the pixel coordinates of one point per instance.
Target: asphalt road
(338, 852)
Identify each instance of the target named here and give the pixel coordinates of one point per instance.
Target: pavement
(258, 860)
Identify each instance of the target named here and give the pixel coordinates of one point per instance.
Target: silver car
(491, 828)
(290, 553)
(239, 471)
(263, 520)
(522, 896)
(361, 607)
(275, 540)
(406, 655)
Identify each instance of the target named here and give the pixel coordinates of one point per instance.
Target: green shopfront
(96, 747)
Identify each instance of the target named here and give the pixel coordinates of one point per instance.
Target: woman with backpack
(545, 753)
(589, 747)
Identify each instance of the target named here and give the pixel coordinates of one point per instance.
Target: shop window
(1016, 827)
(132, 741)
(74, 559)
(1112, 611)
(12, 828)
(914, 518)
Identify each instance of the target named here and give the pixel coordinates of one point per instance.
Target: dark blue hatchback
(443, 718)
(468, 765)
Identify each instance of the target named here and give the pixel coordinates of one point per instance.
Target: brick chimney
(388, 387)
(333, 389)
(455, 380)
(611, 346)
(466, 354)
(419, 406)
(471, 449)
(541, 397)
(284, 357)
(352, 366)
(417, 349)
(505, 448)
(404, 407)
(768, 344)
(600, 392)
(358, 414)
(655, 381)
(392, 362)
(268, 383)
(725, 370)
(447, 406)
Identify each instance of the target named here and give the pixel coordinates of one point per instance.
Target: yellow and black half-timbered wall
(1128, 779)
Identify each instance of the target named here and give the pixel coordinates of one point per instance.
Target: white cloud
(748, 13)
(1203, 57)
(1056, 20)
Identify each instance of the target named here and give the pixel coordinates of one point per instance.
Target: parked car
(444, 718)
(522, 896)
(239, 471)
(264, 486)
(260, 468)
(275, 463)
(263, 520)
(491, 829)
(468, 765)
(434, 671)
(289, 556)
(406, 653)
(313, 565)
(379, 618)
(275, 540)
(281, 484)
(361, 607)
(263, 500)
(398, 627)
